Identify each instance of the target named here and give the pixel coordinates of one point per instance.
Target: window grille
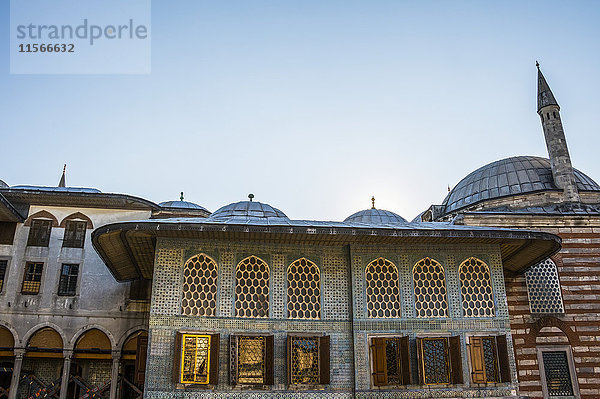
(390, 359)
(305, 360)
(74, 234)
(67, 284)
(558, 375)
(435, 361)
(383, 292)
(3, 266)
(430, 289)
(251, 360)
(252, 288)
(33, 278)
(199, 286)
(196, 359)
(476, 289)
(304, 291)
(543, 288)
(39, 233)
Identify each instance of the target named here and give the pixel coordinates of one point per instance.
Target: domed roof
(3, 185)
(248, 209)
(376, 216)
(510, 176)
(181, 205)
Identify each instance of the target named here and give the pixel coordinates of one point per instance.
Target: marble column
(114, 378)
(64, 382)
(16, 375)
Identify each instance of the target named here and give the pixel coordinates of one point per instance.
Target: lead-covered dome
(376, 216)
(3, 185)
(510, 176)
(248, 209)
(181, 205)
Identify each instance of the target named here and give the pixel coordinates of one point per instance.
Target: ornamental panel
(251, 360)
(476, 289)
(558, 376)
(430, 289)
(252, 288)
(304, 290)
(383, 292)
(435, 365)
(199, 286)
(305, 360)
(543, 288)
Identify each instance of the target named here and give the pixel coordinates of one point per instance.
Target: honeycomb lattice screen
(430, 289)
(199, 286)
(304, 290)
(252, 288)
(476, 289)
(250, 358)
(305, 360)
(383, 292)
(543, 288)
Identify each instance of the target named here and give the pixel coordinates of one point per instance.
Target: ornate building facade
(554, 306)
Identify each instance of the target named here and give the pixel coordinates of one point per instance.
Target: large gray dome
(510, 176)
(376, 216)
(248, 209)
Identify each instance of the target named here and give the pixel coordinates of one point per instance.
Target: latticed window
(390, 359)
(252, 360)
(439, 360)
(476, 289)
(557, 373)
(543, 288)
(252, 288)
(74, 234)
(39, 233)
(304, 290)
(308, 360)
(3, 266)
(199, 286)
(32, 280)
(197, 358)
(383, 292)
(67, 285)
(430, 289)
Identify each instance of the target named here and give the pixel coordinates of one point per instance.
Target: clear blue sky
(313, 106)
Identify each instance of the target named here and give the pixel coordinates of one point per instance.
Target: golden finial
(373, 202)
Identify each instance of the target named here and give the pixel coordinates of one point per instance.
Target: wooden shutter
(140, 359)
(177, 359)
(455, 360)
(420, 360)
(289, 359)
(213, 371)
(379, 362)
(269, 360)
(233, 359)
(477, 362)
(324, 364)
(502, 347)
(404, 355)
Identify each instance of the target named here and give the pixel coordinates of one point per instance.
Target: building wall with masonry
(343, 316)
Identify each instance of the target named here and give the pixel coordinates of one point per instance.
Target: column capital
(116, 355)
(67, 353)
(19, 352)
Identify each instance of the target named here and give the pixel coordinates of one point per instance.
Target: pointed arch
(200, 274)
(303, 290)
(41, 215)
(77, 216)
(431, 299)
(45, 342)
(382, 288)
(476, 289)
(252, 288)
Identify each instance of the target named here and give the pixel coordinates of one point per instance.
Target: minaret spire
(62, 182)
(562, 169)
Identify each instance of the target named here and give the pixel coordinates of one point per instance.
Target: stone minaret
(562, 170)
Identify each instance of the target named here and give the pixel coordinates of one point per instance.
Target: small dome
(376, 216)
(248, 209)
(181, 205)
(3, 185)
(510, 176)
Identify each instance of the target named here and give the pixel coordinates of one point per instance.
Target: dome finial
(181, 196)
(62, 182)
(373, 202)
(250, 196)
(537, 64)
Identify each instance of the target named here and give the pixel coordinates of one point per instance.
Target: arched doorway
(133, 365)
(42, 365)
(7, 346)
(91, 366)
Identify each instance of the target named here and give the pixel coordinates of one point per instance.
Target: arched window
(252, 288)
(476, 289)
(304, 290)
(430, 289)
(543, 288)
(383, 293)
(199, 286)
